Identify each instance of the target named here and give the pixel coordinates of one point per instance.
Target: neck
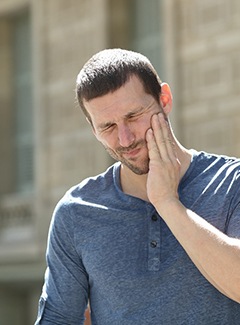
(133, 184)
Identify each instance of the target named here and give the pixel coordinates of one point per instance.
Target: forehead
(114, 105)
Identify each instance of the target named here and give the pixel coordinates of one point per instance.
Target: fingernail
(150, 132)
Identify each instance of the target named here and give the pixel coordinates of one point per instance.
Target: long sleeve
(65, 291)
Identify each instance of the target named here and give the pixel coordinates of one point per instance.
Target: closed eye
(106, 127)
(137, 113)
(134, 116)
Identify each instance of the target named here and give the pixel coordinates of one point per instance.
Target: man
(156, 238)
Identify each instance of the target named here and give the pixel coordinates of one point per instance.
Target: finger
(169, 143)
(153, 151)
(160, 135)
(167, 136)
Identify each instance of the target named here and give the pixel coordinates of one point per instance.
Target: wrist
(168, 206)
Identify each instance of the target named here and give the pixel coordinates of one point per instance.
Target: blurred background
(45, 144)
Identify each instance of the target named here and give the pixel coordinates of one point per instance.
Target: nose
(125, 135)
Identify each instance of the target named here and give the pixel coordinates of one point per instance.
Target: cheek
(143, 126)
(108, 141)
(145, 122)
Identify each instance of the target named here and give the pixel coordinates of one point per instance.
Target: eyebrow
(139, 110)
(103, 125)
(136, 111)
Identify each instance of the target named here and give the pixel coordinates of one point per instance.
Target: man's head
(110, 69)
(119, 91)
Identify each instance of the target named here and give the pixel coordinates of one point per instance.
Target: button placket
(154, 217)
(154, 243)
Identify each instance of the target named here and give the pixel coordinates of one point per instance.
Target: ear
(166, 99)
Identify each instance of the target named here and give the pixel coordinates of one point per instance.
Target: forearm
(216, 255)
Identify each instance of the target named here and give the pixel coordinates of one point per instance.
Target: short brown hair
(109, 69)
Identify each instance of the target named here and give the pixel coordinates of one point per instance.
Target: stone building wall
(200, 46)
(208, 74)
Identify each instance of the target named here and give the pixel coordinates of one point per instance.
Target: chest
(127, 244)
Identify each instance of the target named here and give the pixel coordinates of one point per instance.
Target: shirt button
(153, 244)
(154, 217)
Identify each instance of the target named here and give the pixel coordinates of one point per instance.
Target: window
(16, 146)
(22, 89)
(16, 136)
(146, 29)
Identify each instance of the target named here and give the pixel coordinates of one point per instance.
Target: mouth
(131, 153)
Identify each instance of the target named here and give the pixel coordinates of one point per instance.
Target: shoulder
(215, 163)
(209, 169)
(212, 180)
(93, 186)
(92, 191)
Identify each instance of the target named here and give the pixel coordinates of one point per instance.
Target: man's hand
(216, 255)
(164, 166)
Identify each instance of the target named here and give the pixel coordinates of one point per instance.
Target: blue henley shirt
(115, 251)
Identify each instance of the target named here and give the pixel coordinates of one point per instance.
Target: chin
(143, 169)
